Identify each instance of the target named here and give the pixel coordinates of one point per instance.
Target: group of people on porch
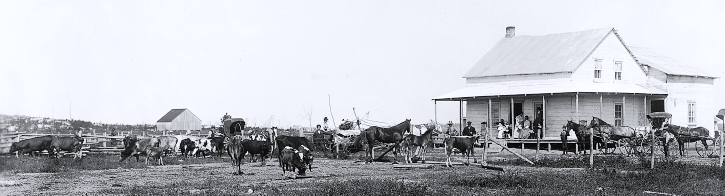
(523, 128)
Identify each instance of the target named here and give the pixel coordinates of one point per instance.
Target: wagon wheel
(638, 146)
(644, 146)
(623, 146)
(711, 147)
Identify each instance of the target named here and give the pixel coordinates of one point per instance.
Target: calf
(257, 147)
(187, 146)
(33, 144)
(155, 152)
(67, 143)
(463, 144)
(137, 147)
(291, 159)
(306, 155)
(167, 143)
(236, 151)
(291, 141)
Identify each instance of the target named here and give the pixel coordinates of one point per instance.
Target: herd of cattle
(292, 152)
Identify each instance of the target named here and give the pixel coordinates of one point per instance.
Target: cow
(306, 155)
(291, 159)
(177, 148)
(187, 146)
(167, 143)
(155, 152)
(217, 145)
(67, 143)
(236, 151)
(33, 144)
(263, 148)
(463, 144)
(291, 141)
(202, 146)
(134, 146)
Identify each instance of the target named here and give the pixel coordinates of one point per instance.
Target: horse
(616, 133)
(582, 135)
(418, 142)
(685, 134)
(385, 135)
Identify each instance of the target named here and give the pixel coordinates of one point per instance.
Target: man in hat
(469, 130)
(324, 126)
(451, 130)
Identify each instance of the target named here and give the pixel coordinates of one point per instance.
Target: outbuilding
(179, 119)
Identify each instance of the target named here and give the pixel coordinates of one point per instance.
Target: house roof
(646, 56)
(526, 54)
(171, 115)
(511, 88)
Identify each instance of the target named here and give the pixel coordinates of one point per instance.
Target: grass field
(552, 175)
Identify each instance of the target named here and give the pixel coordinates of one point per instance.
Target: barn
(179, 119)
(580, 75)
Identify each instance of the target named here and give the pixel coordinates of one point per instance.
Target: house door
(657, 105)
(518, 109)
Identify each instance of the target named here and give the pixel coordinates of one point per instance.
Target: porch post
(489, 115)
(577, 108)
(645, 106)
(513, 118)
(435, 111)
(460, 115)
(624, 110)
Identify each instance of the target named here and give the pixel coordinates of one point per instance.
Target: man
(451, 130)
(324, 123)
(469, 130)
(319, 129)
(538, 123)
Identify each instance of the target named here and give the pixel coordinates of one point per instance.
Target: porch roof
(501, 89)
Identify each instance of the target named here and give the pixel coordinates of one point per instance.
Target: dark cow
(254, 147)
(307, 157)
(217, 145)
(463, 144)
(291, 141)
(134, 146)
(291, 159)
(67, 143)
(33, 144)
(236, 151)
(187, 146)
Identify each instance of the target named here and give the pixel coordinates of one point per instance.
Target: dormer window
(617, 70)
(597, 68)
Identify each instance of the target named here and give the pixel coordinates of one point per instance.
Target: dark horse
(385, 135)
(418, 142)
(685, 134)
(582, 135)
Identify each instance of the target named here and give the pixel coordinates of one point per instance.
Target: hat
(450, 122)
(469, 122)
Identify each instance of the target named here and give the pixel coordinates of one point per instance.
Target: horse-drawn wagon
(668, 136)
(232, 126)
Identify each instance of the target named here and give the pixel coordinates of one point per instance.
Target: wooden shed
(179, 119)
(577, 76)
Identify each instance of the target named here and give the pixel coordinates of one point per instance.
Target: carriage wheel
(643, 146)
(623, 146)
(711, 147)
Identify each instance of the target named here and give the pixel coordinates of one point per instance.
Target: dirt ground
(93, 181)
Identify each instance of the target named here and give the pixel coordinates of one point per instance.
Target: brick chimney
(510, 31)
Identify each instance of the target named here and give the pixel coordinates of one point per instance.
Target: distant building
(179, 119)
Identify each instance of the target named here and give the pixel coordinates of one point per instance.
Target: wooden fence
(92, 143)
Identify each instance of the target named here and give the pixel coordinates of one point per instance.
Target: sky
(276, 63)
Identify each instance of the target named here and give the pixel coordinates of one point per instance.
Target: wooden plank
(491, 167)
(421, 166)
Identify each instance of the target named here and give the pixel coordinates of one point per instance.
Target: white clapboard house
(579, 75)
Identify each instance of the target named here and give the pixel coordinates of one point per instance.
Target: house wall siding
(681, 90)
(610, 50)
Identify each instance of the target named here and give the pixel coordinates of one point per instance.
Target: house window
(691, 113)
(618, 114)
(618, 70)
(495, 112)
(597, 68)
